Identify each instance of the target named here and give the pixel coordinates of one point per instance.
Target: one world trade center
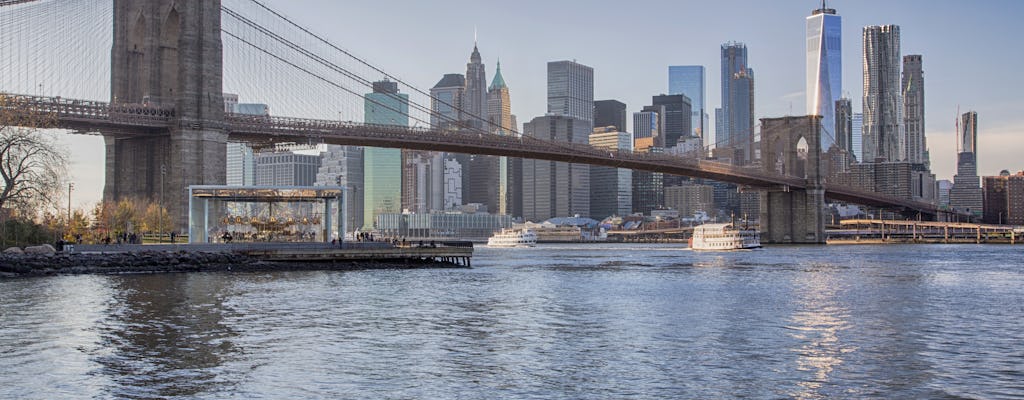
(824, 69)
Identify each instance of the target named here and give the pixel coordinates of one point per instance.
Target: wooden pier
(888, 231)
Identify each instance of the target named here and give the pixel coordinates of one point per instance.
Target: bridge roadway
(94, 117)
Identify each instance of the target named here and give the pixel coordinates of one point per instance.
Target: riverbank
(141, 259)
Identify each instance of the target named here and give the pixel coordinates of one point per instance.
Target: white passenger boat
(513, 238)
(724, 237)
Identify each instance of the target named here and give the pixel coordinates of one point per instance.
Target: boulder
(41, 249)
(14, 250)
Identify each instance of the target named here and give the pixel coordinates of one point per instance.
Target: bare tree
(33, 165)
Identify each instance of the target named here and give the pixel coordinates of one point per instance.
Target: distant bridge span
(93, 117)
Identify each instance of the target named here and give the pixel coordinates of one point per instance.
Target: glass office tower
(824, 69)
(689, 80)
(382, 168)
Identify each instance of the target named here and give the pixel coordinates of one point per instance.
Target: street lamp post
(71, 185)
(160, 211)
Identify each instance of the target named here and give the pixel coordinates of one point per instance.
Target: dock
(896, 231)
(457, 253)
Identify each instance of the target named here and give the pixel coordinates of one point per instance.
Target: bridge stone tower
(167, 53)
(793, 216)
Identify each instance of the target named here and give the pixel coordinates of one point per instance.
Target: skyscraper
(737, 103)
(475, 181)
(499, 105)
(857, 137)
(689, 80)
(474, 101)
(882, 99)
(343, 166)
(648, 187)
(285, 168)
(446, 101)
(824, 69)
(489, 182)
(966, 194)
(610, 113)
(645, 131)
(241, 160)
(611, 189)
(556, 189)
(382, 168)
(571, 90)
(673, 117)
(445, 113)
(915, 145)
(844, 125)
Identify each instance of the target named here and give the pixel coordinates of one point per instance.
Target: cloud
(792, 96)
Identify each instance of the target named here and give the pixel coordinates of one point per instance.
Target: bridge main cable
(462, 111)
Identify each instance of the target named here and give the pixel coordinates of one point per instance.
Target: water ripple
(560, 321)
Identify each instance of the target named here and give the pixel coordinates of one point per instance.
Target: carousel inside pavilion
(241, 214)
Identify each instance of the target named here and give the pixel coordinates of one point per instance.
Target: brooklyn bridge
(166, 107)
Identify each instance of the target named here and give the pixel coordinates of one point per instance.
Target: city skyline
(777, 53)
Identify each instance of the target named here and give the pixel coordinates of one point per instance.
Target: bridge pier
(167, 54)
(793, 216)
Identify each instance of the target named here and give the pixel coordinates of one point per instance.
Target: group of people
(370, 237)
(126, 238)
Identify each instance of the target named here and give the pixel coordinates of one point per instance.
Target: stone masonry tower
(793, 216)
(167, 53)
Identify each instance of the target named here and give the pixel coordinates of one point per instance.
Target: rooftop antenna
(956, 135)
(474, 35)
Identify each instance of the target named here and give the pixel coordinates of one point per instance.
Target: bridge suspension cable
(56, 47)
(379, 70)
(304, 57)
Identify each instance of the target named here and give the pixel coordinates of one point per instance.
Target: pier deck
(458, 253)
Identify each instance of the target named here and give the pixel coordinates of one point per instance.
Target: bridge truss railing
(68, 112)
(275, 129)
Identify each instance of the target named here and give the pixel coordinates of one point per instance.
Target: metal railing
(75, 113)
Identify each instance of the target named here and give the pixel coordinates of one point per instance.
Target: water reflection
(559, 322)
(47, 336)
(165, 336)
(818, 320)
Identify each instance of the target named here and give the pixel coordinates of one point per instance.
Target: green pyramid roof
(499, 81)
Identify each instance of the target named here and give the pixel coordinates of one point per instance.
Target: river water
(556, 321)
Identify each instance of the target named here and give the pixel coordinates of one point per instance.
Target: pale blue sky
(971, 53)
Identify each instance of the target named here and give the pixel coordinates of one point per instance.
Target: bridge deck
(86, 116)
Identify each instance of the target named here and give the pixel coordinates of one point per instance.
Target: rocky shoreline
(152, 262)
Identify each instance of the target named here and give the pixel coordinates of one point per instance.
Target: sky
(970, 50)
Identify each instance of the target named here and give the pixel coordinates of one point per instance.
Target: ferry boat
(724, 237)
(513, 238)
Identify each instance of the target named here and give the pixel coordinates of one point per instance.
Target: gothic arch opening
(169, 36)
(800, 168)
(136, 61)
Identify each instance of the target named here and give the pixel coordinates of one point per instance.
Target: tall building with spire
(824, 68)
(915, 145)
(474, 100)
(966, 194)
(474, 116)
(882, 99)
(499, 105)
(493, 179)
